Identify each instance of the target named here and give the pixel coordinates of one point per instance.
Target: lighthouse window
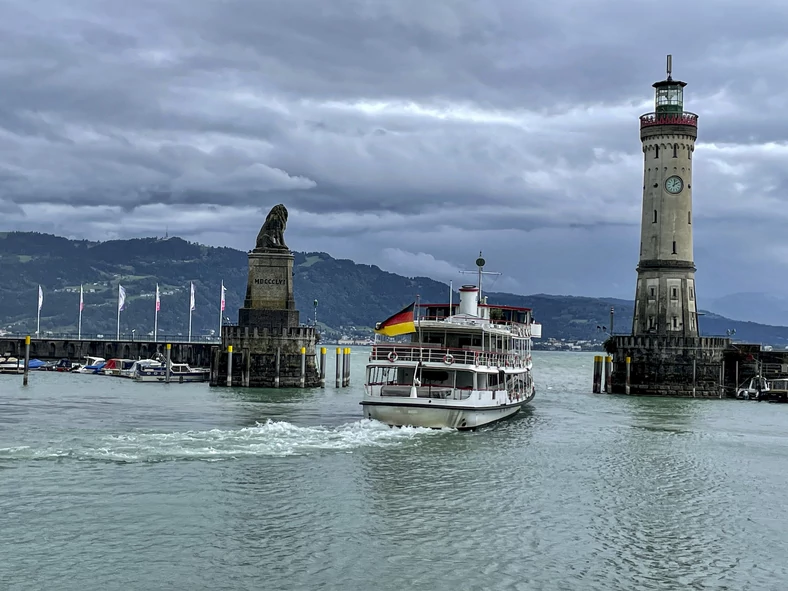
(689, 153)
(656, 151)
(652, 292)
(675, 293)
(655, 216)
(651, 322)
(689, 217)
(674, 247)
(675, 150)
(675, 322)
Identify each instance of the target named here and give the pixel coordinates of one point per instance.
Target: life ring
(448, 359)
(392, 356)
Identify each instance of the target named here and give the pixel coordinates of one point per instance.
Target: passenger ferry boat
(462, 369)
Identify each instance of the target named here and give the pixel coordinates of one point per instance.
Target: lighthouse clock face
(674, 185)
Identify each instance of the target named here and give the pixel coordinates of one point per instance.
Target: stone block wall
(254, 357)
(669, 366)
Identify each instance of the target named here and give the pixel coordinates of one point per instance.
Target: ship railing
(446, 356)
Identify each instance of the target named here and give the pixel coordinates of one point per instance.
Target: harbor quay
(197, 354)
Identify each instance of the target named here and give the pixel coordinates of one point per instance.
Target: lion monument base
(270, 347)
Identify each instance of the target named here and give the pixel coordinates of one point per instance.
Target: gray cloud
(398, 133)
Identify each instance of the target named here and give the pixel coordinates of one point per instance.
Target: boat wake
(272, 438)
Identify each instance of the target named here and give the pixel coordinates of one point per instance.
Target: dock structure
(197, 354)
(268, 348)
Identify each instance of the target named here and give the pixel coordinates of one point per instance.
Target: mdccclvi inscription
(270, 281)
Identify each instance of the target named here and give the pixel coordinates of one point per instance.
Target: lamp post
(315, 313)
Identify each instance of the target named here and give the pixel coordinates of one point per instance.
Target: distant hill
(349, 295)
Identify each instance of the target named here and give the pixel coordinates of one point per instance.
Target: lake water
(109, 484)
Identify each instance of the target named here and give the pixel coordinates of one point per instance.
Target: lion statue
(272, 234)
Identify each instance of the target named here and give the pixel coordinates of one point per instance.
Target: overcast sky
(402, 133)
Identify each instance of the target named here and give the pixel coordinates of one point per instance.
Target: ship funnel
(469, 303)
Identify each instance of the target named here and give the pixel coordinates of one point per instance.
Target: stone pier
(669, 366)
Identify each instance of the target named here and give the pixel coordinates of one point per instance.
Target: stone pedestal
(270, 283)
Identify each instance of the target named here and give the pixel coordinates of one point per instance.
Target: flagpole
(191, 298)
(156, 316)
(38, 317)
(117, 336)
(79, 327)
(221, 308)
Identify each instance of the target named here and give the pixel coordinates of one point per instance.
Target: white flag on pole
(191, 305)
(224, 289)
(121, 297)
(40, 298)
(81, 300)
(158, 298)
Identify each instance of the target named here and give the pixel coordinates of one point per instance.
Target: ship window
(655, 216)
(674, 247)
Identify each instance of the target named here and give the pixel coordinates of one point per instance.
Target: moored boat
(466, 365)
(92, 365)
(179, 373)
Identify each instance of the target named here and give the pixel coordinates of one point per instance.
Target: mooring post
(722, 379)
(278, 366)
(247, 357)
(736, 377)
(339, 365)
(229, 365)
(694, 375)
(626, 387)
(608, 374)
(597, 384)
(344, 367)
(168, 348)
(303, 366)
(27, 360)
(323, 367)
(348, 367)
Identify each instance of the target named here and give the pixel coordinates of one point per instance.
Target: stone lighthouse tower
(666, 354)
(665, 293)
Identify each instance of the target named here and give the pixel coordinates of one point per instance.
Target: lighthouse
(666, 354)
(665, 298)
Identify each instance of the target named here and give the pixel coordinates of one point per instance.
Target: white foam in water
(272, 438)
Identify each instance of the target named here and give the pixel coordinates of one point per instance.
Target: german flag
(399, 323)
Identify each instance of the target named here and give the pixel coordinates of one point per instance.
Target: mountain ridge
(351, 296)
